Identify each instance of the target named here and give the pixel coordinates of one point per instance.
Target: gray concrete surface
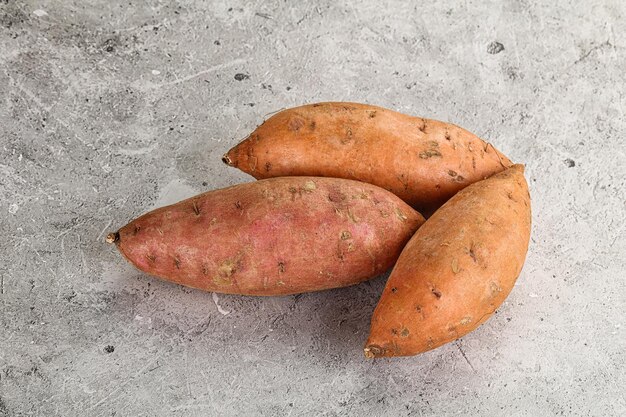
(109, 109)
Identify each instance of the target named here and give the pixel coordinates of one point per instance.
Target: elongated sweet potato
(424, 162)
(277, 236)
(457, 268)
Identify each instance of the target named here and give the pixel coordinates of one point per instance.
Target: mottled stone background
(109, 109)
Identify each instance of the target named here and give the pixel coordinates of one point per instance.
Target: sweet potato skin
(272, 237)
(457, 268)
(424, 162)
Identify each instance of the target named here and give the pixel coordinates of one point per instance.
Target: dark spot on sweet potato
(136, 230)
(336, 196)
(205, 269)
(281, 267)
(431, 153)
(177, 263)
(348, 137)
(452, 173)
(238, 205)
(394, 290)
(403, 180)
(196, 210)
(295, 124)
(371, 114)
(404, 332)
(447, 135)
(345, 235)
(312, 125)
(422, 126)
(472, 254)
(151, 258)
(268, 166)
(436, 293)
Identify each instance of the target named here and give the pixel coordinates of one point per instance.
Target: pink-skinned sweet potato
(272, 237)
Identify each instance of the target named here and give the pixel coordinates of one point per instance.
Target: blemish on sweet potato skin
(296, 123)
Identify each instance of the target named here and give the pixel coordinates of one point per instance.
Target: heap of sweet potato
(338, 201)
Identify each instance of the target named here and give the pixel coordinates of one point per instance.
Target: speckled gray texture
(109, 109)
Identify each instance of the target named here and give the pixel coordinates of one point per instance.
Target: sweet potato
(272, 237)
(424, 162)
(457, 268)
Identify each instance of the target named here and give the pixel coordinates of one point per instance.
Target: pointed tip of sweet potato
(113, 237)
(372, 351)
(226, 159)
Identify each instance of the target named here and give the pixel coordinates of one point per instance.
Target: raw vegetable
(457, 268)
(272, 237)
(424, 162)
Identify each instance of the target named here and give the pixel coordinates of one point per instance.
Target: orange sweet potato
(424, 162)
(457, 268)
(272, 237)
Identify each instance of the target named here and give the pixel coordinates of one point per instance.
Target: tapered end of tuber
(113, 237)
(226, 159)
(372, 351)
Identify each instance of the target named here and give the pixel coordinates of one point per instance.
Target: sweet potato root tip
(113, 237)
(372, 351)
(226, 159)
